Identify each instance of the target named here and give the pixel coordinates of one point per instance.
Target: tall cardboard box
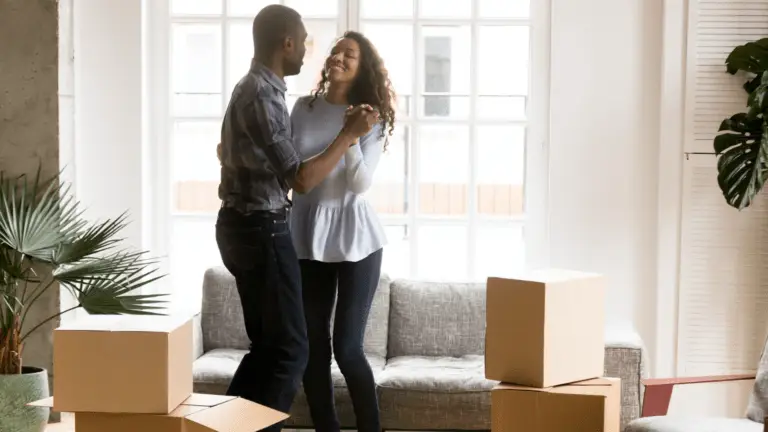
(587, 406)
(122, 364)
(545, 329)
(198, 413)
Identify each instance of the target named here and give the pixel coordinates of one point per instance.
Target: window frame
(534, 220)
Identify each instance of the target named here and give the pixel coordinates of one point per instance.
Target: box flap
(206, 400)
(127, 323)
(598, 387)
(186, 410)
(597, 382)
(44, 403)
(237, 415)
(576, 387)
(503, 386)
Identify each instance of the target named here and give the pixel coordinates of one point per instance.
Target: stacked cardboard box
(134, 373)
(545, 344)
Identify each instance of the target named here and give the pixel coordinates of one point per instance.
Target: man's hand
(359, 120)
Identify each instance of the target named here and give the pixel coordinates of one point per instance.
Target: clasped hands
(359, 120)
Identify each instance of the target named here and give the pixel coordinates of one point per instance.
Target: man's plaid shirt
(258, 160)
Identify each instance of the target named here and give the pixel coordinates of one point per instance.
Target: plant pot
(16, 391)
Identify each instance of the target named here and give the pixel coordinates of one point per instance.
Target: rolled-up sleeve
(272, 128)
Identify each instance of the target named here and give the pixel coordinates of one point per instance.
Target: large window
(454, 188)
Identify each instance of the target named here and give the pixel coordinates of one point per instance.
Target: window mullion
(416, 80)
(161, 91)
(225, 54)
(536, 169)
(473, 147)
(352, 10)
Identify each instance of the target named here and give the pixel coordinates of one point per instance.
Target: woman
(336, 232)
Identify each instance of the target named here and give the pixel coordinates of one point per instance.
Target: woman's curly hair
(372, 85)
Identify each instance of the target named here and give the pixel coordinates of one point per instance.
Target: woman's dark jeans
(356, 284)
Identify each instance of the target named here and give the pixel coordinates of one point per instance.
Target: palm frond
(12, 267)
(119, 263)
(100, 303)
(104, 285)
(34, 223)
(41, 222)
(111, 294)
(94, 240)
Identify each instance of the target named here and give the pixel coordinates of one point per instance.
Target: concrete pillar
(29, 122)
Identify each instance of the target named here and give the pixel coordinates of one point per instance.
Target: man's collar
(259, 69)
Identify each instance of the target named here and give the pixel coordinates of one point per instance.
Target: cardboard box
(122, 364)
(198, 413)
(587, 406)
(546, 329)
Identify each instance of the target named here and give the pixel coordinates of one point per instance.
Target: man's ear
(288, 43)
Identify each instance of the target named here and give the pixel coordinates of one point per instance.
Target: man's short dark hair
(271, 26)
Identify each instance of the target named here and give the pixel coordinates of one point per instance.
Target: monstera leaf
(742, 145)
(743, 152)
(752, 58)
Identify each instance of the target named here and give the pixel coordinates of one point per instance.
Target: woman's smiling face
(342, 65)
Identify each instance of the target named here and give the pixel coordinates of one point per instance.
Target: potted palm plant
(45, 243)
(742, 144)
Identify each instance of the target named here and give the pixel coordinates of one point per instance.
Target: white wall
(67, 116)
(108, 106)
(604, 153)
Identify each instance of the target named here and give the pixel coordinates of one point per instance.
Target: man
(258, 167)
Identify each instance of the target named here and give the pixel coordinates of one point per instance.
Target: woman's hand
(360, 119)
(361, 106)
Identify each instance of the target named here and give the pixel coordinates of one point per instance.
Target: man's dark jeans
(351, 285)
(258, 251)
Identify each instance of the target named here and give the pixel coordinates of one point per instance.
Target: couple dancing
(289, 266)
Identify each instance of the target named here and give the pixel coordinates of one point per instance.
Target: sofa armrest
(197, 337)
(625, 358)
(658, 391)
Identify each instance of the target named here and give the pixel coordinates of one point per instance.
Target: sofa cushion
(345, 412)
(221, 317)
(680, 424)
(214, 370)
(436, 374)
(418, 393)
(436, 319)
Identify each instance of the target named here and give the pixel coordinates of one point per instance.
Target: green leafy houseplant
(44, 241)
(742, 144)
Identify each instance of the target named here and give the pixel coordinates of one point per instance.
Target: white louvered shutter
(723, 302)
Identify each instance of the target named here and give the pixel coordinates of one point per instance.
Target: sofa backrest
(221, 316)
(436, 319)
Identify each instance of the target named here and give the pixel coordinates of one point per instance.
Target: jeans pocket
(280, 228)
(246, 257)
(242, 251)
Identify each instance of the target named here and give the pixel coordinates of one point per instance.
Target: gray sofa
(425, 342)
